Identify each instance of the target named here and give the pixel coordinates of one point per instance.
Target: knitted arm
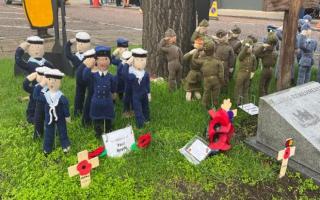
(115, 61)
(71, 56)
(27, 86)
(148, 83)
(19, 58)
(162, 46)
(243, 53)
(86, 74)
(65, 103)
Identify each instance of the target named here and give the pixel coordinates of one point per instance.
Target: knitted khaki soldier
(212, 71)
(192, 83)
(247, 66)
(174, 57)
(224, 52)
(268, 57)
(201, 30)
(234, 40)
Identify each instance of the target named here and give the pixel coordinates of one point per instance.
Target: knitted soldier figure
(104, 87)
(39, 89)
(34, 47)
(234, 40)
(201, 30)
(224, 52)
(89, 58)
(56, 112)
(122, 46)
(247, 66)
(83, 44)
(192, 83)
(139, 81)
(307, 48)
(268, 57)
(213, 75)
(174, 57)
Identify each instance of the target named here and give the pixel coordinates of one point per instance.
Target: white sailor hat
(83, 37)
(90, 53)
(35, 40)
(126, 55)
(42, 70)
(54, 73)
(139, 52)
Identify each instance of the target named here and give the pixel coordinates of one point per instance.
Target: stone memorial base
(292, 113)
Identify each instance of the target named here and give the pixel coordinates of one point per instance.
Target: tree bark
(158, 16)
(287, 52)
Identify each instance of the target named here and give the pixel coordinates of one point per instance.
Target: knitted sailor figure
(104, 87)
(39, 89)
(83, 44)
(139, 80)
(127, 99)
(56, 112)
(35, 48)
(117, 59)
(89, 60)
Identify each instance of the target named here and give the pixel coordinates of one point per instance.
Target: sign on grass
(196, 150)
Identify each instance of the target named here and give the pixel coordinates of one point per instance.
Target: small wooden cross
(284, 155)
(83, 168)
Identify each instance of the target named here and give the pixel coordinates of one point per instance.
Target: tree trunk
(287, 52)
(158, 16)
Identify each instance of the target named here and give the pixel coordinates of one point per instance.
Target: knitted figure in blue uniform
(56, 112)
(122, 46)
(40, 88)
(307, 48)
(89, 59)
(83, 44)
(104, 87)
(139, 81)
(34, 47)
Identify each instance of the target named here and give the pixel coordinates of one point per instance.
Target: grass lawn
(159, 172)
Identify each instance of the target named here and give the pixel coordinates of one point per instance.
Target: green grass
(159, 172)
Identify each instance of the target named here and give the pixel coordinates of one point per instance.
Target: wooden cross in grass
(285, 155)
(83, 168)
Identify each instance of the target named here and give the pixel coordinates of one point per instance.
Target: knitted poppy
(96, 152)
(286, 153)
(84, 167)
(144, 140)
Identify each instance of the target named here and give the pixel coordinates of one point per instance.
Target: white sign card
(250, 108)
(196, 150)
(118, 142)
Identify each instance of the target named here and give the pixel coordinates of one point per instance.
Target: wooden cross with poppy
(83, 168)
(284, 155)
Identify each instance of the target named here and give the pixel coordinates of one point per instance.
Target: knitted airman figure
(174, 57)
(212, 71)
(247, 67)
(268, 57)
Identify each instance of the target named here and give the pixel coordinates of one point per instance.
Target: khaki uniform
(195, 35)
(174, 57)
(247, 65)
(224, 52)
(213, 77)
(193, 80)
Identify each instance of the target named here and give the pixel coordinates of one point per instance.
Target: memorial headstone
(292, 113)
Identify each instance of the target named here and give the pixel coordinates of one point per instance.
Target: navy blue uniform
(140, 91)
(76, 60)
(52, 121)
(31, 65)
(120, 78)
(101, 108)
(39, 111)
(28, 86)
(127, 100)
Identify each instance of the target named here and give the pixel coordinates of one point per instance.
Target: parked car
(11, 1)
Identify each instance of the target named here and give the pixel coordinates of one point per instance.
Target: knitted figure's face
(103, 63)
(121, 50)
(54, 84)
(172, 40)
(83, 47)
(203, 30)
(140, 63)
(198, 44)
(36, 50)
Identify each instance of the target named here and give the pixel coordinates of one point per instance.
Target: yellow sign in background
(39, 13)
(214, 10)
